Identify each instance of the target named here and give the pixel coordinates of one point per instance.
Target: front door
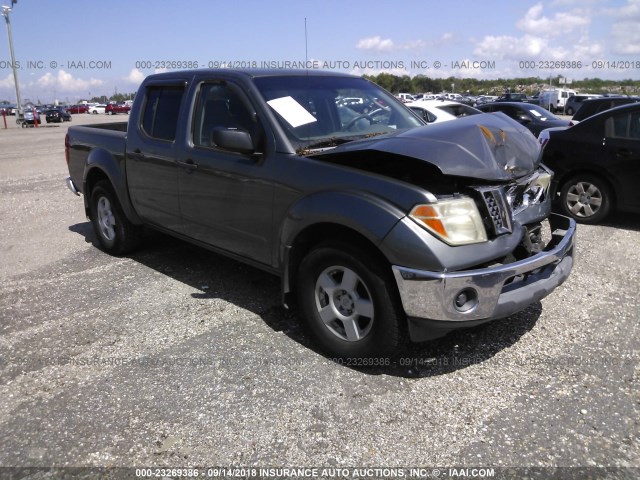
(226, 197)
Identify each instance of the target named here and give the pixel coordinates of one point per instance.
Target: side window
(426, 115)
(219, 106)
(161, 111)
(511, 112)
(634, 126)
(623, 126)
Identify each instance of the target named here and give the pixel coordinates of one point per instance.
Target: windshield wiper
(326, 143)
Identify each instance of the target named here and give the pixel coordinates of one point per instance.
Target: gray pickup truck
(381, 228)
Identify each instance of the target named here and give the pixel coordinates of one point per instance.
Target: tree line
(473, 86)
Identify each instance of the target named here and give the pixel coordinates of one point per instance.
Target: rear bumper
(447, 301)
(72, 186)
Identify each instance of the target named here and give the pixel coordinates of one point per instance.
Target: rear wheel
(349, 303)
(116, 234)
(586, 198)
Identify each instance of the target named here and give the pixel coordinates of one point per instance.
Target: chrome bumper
(72, 186)
(489, 293)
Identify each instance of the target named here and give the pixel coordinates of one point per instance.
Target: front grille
(497, 209)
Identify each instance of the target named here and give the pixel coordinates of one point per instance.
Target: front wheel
(349, 303)
(586, 198)
(116, 234)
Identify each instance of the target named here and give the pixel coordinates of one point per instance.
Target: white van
(406, 97)
(554, 100)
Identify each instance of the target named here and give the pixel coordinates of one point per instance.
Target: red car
(114, 108)
(77, 109)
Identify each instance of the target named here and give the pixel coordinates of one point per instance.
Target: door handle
(136, 154)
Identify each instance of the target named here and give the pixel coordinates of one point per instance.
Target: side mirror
(232, 139)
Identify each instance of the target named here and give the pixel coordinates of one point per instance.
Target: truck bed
(98, 140)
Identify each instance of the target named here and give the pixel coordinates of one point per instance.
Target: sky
(69, 50)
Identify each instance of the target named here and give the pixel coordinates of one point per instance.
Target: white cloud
(379, 44)
(135, 76)
(505, 46)
(64, 82)
(624, 30)
(629, 11)
(376, 43)
(7, 82)
(562, 22)
(562, 36)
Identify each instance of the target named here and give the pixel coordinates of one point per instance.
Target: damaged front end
(498, 246)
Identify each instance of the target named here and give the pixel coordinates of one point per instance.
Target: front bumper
(491, 293)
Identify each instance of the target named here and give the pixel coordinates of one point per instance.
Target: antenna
(306, 49)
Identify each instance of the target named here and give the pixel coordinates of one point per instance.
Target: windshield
(323, 111)
(459, 110)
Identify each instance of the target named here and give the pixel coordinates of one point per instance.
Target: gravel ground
(175, 356)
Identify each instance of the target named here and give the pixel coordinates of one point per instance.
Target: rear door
(622, 147)
(152, 171)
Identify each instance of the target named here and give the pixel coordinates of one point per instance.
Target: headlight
(540, 187)
(456, 222)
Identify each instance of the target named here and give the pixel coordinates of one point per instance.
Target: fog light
(466, 300)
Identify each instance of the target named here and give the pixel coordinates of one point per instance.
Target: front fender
(356, 211)
(359, 211)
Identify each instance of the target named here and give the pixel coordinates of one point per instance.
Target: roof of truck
(260, 72)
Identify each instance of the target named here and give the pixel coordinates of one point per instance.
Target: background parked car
(482, 99)
(575, 102)
(512, 97)
(58, 115)
(556, 99)
(76, 109)
(433, 111)
(29, 117)
(96, 109)
(531, 116)
(114, 108)
(597, 105)
(597, 164)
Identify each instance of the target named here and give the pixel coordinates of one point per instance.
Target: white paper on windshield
(294, 113)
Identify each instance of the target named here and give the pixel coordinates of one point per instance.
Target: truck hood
(484, 146)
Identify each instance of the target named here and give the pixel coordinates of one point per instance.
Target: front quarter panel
(359, 211)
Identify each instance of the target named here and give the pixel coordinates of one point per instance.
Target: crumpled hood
(484, 146)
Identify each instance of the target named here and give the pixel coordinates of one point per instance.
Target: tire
(586, 198)
(349, 303)
(116, 234)
(569, 111)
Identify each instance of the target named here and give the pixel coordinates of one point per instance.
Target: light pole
(5, 13)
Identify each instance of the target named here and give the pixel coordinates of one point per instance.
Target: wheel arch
(592, 171)
(325, 234)
(101, 165)
(332, 215)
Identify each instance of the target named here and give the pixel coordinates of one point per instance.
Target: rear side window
(624, 126)
(161, 109)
